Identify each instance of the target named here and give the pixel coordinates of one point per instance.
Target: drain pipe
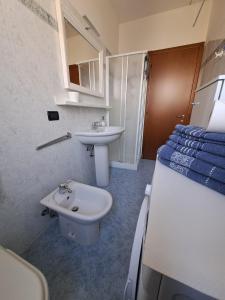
(91, 149)
(50, 212)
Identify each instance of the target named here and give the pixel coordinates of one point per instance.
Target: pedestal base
(102, 165)
(84, 234)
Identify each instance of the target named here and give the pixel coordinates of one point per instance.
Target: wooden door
(74, 74)
(173, 79)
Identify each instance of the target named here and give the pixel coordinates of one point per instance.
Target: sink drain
(75, 208)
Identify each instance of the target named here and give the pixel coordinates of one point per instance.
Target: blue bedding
(197, 154)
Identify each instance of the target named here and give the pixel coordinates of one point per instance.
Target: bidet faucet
(63, 188)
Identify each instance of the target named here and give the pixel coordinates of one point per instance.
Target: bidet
(80, 208)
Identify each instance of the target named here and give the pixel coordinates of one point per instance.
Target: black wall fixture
(53, 115)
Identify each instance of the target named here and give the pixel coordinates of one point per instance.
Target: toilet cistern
(101, 137)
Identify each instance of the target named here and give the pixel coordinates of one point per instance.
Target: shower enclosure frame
(91, 73)
(141, 106)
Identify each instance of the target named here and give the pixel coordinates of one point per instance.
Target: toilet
(80, 208)
(19, 279)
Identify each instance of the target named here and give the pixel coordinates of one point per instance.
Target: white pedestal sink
(101, 138)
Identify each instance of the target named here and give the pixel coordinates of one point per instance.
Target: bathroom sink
(100, 136)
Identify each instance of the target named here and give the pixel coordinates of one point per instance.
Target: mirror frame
(65, 9)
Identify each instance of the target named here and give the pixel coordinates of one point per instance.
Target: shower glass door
(126, 94)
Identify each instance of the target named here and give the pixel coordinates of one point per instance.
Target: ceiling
(129, 10)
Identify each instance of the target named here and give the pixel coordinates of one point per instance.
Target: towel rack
(55, 141)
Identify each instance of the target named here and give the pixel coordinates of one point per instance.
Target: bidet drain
(75, 208)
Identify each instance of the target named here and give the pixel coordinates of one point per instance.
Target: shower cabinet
(126, 86)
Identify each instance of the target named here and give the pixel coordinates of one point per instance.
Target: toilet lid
(19, 280)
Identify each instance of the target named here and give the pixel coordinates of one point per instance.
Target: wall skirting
(120, 165)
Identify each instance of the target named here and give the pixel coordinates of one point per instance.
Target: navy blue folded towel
(216, 160)
(189, 142)
(201, 134)
(197, 154)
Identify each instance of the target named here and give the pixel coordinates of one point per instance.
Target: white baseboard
(120, 165)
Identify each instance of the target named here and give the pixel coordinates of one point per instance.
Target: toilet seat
(19, 280)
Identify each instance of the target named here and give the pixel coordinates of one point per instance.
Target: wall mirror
(82, 53)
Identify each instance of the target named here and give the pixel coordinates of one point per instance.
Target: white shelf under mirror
(80, 104)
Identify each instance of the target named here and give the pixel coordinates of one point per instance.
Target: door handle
(180, 116)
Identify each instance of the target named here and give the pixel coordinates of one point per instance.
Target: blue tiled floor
(95, 272)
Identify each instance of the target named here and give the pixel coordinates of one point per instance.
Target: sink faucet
(97, 124)
(63, 188)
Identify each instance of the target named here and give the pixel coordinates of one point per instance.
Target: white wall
(102, 14)
(164, 30)
(31, 77)
(215, 35)
(78, 49)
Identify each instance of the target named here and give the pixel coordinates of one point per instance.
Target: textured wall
(30, 78)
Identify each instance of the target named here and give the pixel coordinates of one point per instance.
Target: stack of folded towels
(197, 154)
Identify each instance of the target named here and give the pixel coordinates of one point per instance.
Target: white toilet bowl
(81, 208)
(19, 279)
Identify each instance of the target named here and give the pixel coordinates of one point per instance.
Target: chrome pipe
(55, 141)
